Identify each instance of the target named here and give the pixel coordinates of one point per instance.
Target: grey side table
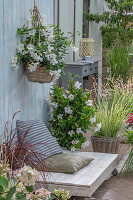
(81, 69)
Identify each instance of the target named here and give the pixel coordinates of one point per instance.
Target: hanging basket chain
(36, 18)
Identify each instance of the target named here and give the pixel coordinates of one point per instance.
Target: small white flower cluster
(85, 144)
(73, 149)
(60, 116)
(93, 120)
(98, 127)
(14, 63)
(71, 97)
(71, 133)
(89, 103)
(56, 74)
(68, 110)
(77, 85)
(27, 175)
(79, 130)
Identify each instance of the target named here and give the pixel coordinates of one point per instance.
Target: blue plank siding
(16, 93)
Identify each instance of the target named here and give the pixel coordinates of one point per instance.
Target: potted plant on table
(41, 50)
(112, 111)
(72, 112)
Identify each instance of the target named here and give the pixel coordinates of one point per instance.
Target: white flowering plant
(72, 115)
(42, 46)
(19, 184)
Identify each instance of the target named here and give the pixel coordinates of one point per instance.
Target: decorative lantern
(86, 47)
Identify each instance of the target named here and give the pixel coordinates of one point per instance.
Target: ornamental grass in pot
(112, 111)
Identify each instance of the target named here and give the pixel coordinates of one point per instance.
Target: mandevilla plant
(73, 113)
(42, 46)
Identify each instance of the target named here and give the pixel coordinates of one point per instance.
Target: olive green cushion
(67, 162)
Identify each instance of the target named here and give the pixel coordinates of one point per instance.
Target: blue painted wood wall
(16, 93)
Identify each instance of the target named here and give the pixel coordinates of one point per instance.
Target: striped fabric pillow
(39, 137)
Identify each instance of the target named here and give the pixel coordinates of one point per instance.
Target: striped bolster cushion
(38, 137)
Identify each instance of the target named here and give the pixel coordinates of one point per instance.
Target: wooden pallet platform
(86, 181)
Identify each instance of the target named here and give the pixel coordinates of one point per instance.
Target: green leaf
(52, 196)
(1, 189)
(20, 196)
(11, 193)
(29, 188)
(3, 182)
(2, 198)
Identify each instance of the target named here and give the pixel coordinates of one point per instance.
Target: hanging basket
(105, 145)
(40, 75)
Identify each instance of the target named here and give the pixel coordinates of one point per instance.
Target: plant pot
(39, 76)
(105, 145)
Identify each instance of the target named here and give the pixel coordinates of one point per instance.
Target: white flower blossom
(71, 133)
(32, 32)
(32, 67)
(53, 56)
(20, 47)
(89, 103)
(68, 110)
(48, 57)
(77, 85)
(74, 49)
(52, 73)
(50, 48)
(43, 20)
(73, 149)
(93, 120)
(30, 47)
(64, 96)
(85, 144)
(14, 60)
(25, 52)
(54, 61)
(14, 63)
(55, 105)
(98, 127)
(79, 130)
(71, 97)
(57, 74)
(60, 116)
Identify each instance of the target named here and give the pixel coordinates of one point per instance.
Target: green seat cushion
(67, 162)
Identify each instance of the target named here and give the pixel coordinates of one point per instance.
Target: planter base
(105, 145)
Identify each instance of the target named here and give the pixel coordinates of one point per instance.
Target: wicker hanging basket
(40, 75)
(105, 145)
(86, 47)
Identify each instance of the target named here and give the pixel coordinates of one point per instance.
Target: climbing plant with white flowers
(41, 45)
(73, 114)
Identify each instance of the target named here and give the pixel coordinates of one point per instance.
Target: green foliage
(116, 21)
(119, 62)
(129, 135)
(10, 193)
(127, 169)
(113, 108)
(68, 126)
(61, 194)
